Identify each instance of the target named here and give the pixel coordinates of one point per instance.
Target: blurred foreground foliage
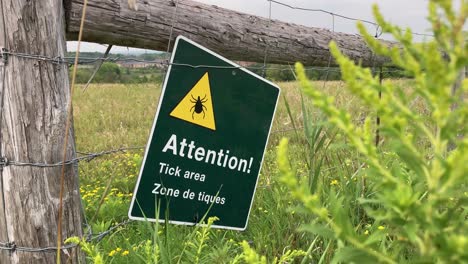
(414, 204)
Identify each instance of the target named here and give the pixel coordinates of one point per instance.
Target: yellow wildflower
(334, 182)
(112, 253)
(125, 253)
(381, 227)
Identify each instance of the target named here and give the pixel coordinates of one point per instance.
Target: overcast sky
(406, 13)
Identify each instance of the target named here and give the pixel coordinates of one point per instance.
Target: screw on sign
(207, 143)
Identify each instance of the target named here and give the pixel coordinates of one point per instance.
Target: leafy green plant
(414, 190)
(91, 250)
(250, 256)
(198, 243)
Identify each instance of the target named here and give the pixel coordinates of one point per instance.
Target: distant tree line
(110, 72)
(284, 73)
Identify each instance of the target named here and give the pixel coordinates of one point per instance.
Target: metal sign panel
(207, 142)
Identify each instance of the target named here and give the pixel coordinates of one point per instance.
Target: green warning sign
(207, 142)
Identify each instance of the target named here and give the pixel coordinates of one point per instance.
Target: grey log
(237, 36)
(32, 128)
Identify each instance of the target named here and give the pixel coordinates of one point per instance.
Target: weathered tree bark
(32, 128)
(235, 35)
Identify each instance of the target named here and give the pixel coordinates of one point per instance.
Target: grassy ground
(114, 116)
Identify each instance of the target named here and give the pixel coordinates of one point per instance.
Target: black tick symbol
(198, 107)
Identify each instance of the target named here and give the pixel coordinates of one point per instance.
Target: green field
(115, 116)
(334, 201)
(328, 191)
(111, 116)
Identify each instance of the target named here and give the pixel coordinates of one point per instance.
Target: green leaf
(349, 255)
(317, 229)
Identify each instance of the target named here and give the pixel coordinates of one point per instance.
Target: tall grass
(112, 116)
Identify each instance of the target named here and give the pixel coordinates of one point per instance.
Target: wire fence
(4, 162)
(166, 63)
(5, 55)
(378, 28)
(85, 156)
(12, 247)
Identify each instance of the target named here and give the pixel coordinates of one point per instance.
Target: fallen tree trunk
(237, 36)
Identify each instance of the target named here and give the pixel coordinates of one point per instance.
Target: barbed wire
(4, 162)
(85, 156)
(166, 63)
(98, 237)
(97, 67)
(286, 130)
(174, 18)
(329, 56)
(11, 246)
(324, 11)
(266, 45)
(365, 21)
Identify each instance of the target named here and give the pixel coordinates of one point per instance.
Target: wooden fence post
(32, 127)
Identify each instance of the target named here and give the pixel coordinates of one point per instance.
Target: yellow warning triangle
(197, 106)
